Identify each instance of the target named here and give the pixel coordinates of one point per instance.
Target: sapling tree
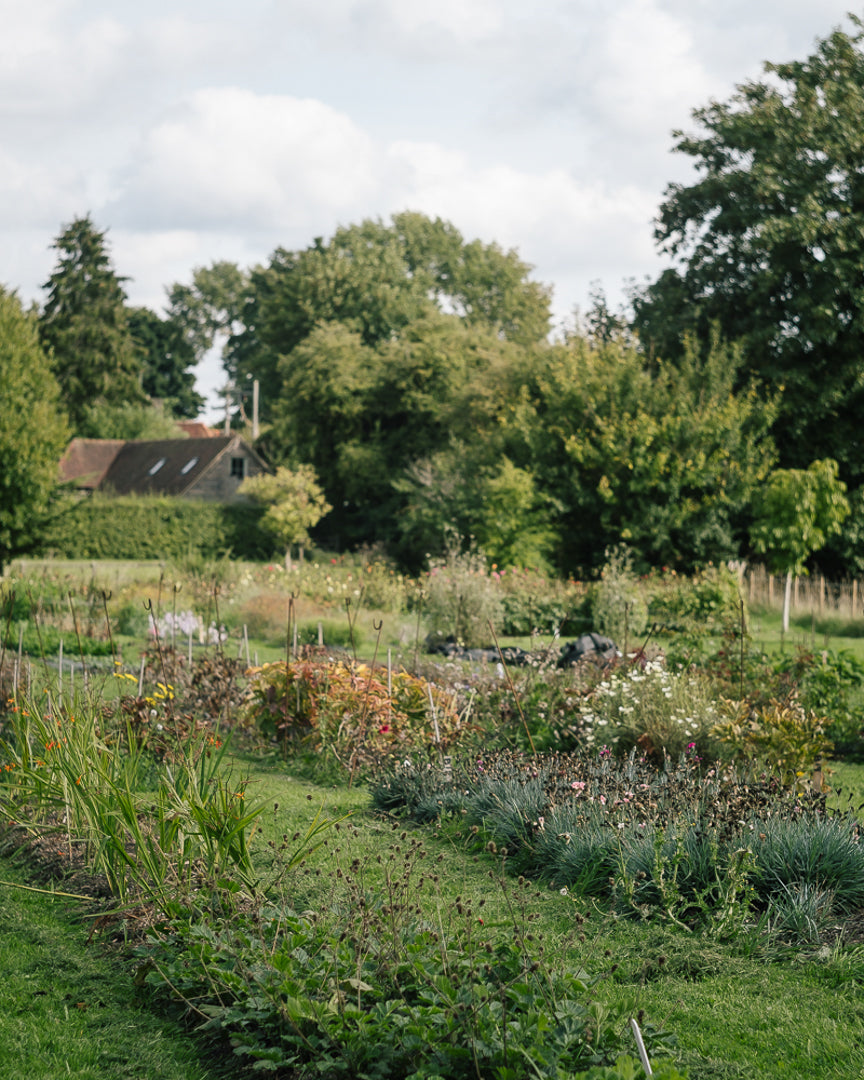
(794, 515)
(295, 504)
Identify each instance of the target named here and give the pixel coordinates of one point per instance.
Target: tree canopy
(84, 326)
(377, 280)
(769, 243)
(33, 430)
(167, 358)
(795, 514)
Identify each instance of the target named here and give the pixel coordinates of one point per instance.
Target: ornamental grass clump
(154, 832)
(676, 841)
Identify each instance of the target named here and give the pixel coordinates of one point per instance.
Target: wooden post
(854, 596)
(821, 594)
(770, 590)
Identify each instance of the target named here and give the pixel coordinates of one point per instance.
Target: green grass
(738, 1009)
(71, 1009)
(835, 634)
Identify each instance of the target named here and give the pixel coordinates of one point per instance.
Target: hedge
(156, 527)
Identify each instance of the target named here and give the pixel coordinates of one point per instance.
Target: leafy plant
(782, 734)
(348, 712)
(461, 600)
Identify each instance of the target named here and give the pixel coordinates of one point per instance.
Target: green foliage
(618, 608)
(128, 420)
(535, 604)
(768, 241)
(675, 841)
(492, 500)
(796, 512)
(33, 432)
(661, 458)
(166, 357)
(829, 684)
(626, 1068)
(783, 735)
(688, 614)
(84, 326)
(45, 640)
(294, 503)
(155, 528)
(371, 990)
(61, 776)
(460, 600)
(377, 281)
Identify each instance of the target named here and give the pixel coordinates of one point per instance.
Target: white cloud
(646, 70)
(229, 156)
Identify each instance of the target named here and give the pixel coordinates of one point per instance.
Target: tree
(377, 280)
(132, 421)
(166, 357)
(661, 458)
(794, 515)
(459, 496)
(295, 504)
(84, 325)
(33, 430)
(768, 243)
(362, 414)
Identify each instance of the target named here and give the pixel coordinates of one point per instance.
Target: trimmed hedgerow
(149, 527)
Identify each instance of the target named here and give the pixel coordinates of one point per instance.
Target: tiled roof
(163, 466)
(87, 460)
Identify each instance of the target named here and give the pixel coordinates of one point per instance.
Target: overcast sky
(196, 130)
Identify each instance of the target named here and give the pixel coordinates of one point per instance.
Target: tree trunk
(289, 565)
(787, 598)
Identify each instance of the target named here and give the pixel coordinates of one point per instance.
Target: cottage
(196, 468)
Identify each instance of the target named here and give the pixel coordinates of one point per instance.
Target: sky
(200, 130)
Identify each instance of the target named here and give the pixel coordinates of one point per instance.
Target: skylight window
(189, 466)
(155, 468)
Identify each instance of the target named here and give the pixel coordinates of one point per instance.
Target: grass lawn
(739, 1009)
(69, 1008)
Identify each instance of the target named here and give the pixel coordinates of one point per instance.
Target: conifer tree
(84, 325)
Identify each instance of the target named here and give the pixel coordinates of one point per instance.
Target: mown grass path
(69, 1009)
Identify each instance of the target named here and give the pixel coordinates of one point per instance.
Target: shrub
(461, 600)
(148, 527)
(345, 711)
(662, 712)
(619, 608)
(782, 734)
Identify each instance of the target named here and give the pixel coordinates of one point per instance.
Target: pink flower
(578, 785)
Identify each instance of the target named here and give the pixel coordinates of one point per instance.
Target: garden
(338, 821)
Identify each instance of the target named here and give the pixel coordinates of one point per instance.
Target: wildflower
(578, 785)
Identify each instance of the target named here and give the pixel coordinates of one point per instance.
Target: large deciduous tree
(376, 280)
(769, 245)
(33, 430)
(662, 458)
(362, 414)
(84, 325)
